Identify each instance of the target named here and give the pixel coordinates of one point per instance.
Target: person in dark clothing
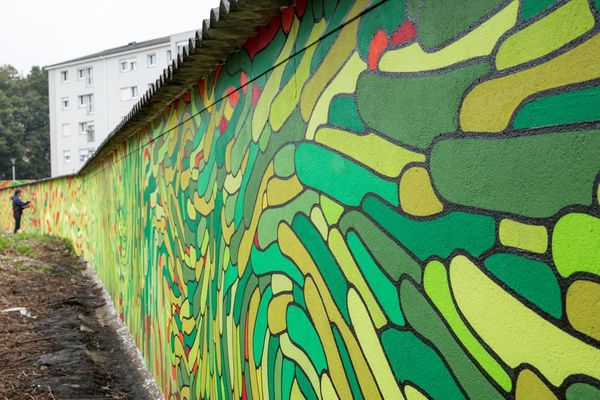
(18, 207)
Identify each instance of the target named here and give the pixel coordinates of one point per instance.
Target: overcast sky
(44, 32)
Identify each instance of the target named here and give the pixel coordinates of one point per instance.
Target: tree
(24, 123)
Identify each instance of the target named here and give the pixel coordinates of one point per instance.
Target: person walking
(18, 207)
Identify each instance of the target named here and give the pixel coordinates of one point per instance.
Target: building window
(129, 93)
(64, 76)
(67, 155)
(90, 131)
(181, 46)
(124, 65)
(66, 129)
(128, 65)
(133, 65)
(89, 76)
(151, 58)
(81, 74)
(169, 56)
(84, 154)
(87, 101)
(64, 102)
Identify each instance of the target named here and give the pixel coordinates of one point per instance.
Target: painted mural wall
(370, 200)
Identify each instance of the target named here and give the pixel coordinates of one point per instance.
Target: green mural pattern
(370, 200)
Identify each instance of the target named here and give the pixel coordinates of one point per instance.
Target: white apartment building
(90, 95)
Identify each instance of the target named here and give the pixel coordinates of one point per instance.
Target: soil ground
(66, 349)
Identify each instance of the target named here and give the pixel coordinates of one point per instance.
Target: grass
(24, 249)
(4, 243)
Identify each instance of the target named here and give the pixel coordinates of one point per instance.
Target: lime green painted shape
(531, 8)
(387, 293)
(338, 177)
(532, 176)
(582, 391)
(332, 210)
(436, 287)
(556, 29)
(414, 361)
(436, 237)
(576, 244)
(284, 161)
(532, 279)
(564, 108)
(303, 334)
(413, 109)
(439, 21)
(477, 43)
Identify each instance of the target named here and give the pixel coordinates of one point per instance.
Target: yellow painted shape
(264, 364)
(530, 386)
(553, 31)
(287, 99)
(491, 104)
(191, 211)
(477, 43)
(528, 237)
(417, 196)
(327, 390)
(583, 306)
(319, 317)
(344, 82)
(369, 341)
(339, 52)
(296, 354)
(276, 313)
(281, 284)
(318, 220)
(296, 393)
(280, 191)
(293, 248)
(340, 251)
(251, 316)
(412, 393)
(372, 150)
(261, 112)
(516, 333)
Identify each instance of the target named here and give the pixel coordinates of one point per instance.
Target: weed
(4, 243)
(24, 249)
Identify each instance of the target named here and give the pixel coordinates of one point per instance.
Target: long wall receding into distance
(370, 199)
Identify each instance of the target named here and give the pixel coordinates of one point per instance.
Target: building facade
(90, 95)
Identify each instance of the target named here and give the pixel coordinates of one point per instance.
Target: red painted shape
(56, 217)
(233, 95)
(187, 96)
(404, 33)
(198, 157)
(256, 91)
(256, 240)
(246, 340)
(300, 7)
(263, 37)
(378, 45)
(243, 81)
(223, 125)
(187, 351)
(244, 394)
(287, 18)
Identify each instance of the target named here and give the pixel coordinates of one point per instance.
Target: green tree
(24, 123)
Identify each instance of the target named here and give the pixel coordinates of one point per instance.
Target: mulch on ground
(64, 349)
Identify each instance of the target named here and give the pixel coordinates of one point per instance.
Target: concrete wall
(370, 200)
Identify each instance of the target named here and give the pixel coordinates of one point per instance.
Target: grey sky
(44, 32)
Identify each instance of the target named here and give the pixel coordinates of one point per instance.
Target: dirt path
(67, 348)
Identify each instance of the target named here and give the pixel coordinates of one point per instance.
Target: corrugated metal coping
(229, 26)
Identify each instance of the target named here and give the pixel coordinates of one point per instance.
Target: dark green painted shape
(343, 113)
(439, 21)
(564, 108)
(582, 391)
(287, 378)
(275, 381)
(413, 360)
(271, 260)
(347, 364)
(531, 279)
(260, 327)
(413, 109)
(305, 385)
(380, 283)
(323, 259)
(531, 8)
(437, 237)
(339, 177)
(303, 334)
(425, 321)
(533, 176)
(391, 257)
(386, 17)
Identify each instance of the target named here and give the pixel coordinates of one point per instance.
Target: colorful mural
(370, 200)
(7, 184)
